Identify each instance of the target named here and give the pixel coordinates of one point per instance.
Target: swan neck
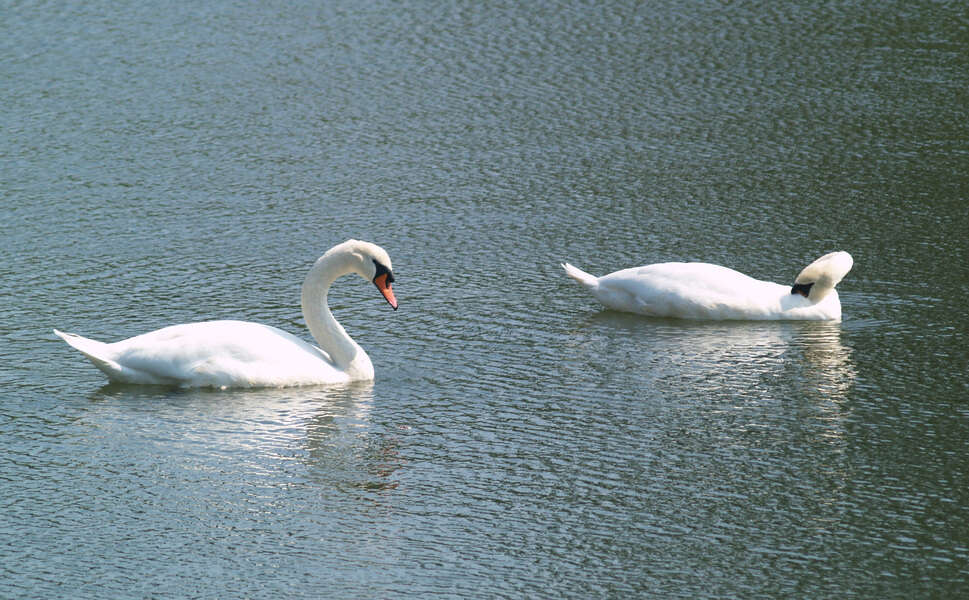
(331, 337)
(820, 290)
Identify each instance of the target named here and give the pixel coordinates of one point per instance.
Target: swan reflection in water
(742, 360)
(728, 413)
(321, 434)
(736, 403)
(345, 449)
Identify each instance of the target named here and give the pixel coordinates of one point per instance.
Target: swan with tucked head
(244, 354)
(706, 291)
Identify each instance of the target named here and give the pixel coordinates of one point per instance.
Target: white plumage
(243, 354)
(707, 291)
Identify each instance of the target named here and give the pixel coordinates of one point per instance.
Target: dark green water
(176, 163)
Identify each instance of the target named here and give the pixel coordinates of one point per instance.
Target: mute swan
(244, 354)
(705, 291)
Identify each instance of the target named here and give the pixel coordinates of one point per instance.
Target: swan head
(818, 279)
(369, 261)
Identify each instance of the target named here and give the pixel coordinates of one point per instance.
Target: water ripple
(180, 164)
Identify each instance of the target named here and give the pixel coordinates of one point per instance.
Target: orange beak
(381, 282)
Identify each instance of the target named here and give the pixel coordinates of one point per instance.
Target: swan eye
(802, 288)
(381, 270)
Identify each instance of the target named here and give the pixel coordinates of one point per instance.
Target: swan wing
(212, 353)
(693, 291)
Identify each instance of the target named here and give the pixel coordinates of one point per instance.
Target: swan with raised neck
(244, 354)
(352, 256)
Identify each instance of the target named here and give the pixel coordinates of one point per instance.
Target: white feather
(707, 291)
(244, 354)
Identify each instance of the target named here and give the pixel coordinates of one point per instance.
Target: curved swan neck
(820, 290)
(346, 354)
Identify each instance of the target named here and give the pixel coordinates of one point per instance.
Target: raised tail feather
(589, 281)
(93, 350)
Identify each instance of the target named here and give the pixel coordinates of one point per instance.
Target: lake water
(182, 162)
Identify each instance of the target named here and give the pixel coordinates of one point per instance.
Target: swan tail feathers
(94, 350)
(589, 281)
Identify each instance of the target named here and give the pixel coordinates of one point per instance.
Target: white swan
(705, 291)
(243, 354)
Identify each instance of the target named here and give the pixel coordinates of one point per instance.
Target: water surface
(183, 163)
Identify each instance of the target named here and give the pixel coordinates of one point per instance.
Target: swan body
(712, 292)
(243, 354)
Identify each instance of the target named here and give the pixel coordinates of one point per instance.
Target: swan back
(691, 291)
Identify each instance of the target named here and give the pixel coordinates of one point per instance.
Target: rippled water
(182, 163)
